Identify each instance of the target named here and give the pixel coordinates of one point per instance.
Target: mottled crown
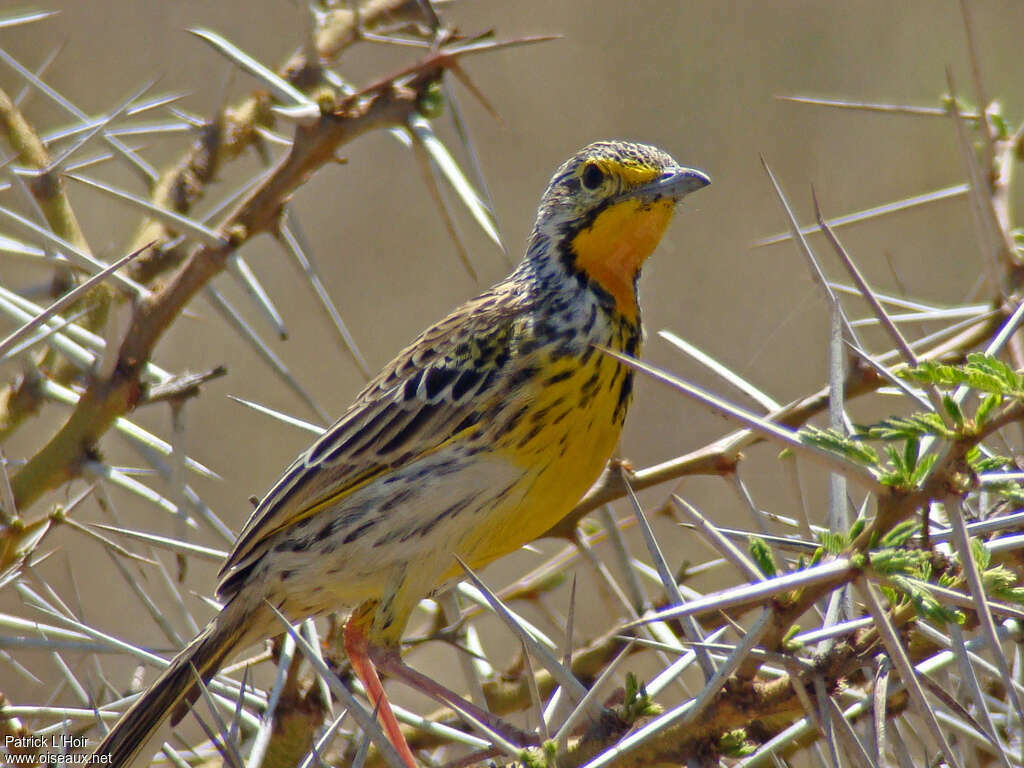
(599, 171)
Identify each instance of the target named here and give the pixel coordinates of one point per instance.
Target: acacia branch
(236, 129)
(722, 456)
(117, 392)
(20, 398)
(232, 132)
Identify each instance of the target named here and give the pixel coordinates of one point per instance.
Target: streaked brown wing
(436, 388)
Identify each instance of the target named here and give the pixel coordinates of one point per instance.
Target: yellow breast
(567, 424)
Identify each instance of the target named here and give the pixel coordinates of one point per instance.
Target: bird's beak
(675, 183)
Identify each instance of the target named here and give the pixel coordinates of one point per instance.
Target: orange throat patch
(614, 247)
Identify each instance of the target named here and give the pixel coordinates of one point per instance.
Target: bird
(479, 436)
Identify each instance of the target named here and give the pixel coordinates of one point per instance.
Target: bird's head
(606, 209)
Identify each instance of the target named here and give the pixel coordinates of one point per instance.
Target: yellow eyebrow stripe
(635, 175)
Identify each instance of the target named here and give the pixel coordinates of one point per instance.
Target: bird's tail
(173, 691)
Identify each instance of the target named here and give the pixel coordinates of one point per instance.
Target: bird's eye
(592, 176)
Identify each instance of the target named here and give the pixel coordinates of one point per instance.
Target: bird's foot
(389, 661)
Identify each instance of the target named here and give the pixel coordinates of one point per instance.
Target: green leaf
(788, 642)
(831, 542)
(637, 702)
(982, 373)
(763, 557)
(924, 602)
(916, 425)
(911, 450)
(632, 687)
(985, 408)
(838, 443)
(922, 469)
(1013, 595)
(901, 533)
(735, 744)
(997, 369)
(893, 597)
(1008, 490)
(980, 463)
(953, 409)
(980, 554)
(533, 758)
(939, 613)
(899, 467)
(893, 562)
(431, 103)
(999, 579)
(892, 479)
(938, 374)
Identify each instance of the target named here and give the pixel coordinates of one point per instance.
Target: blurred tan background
(697, 78)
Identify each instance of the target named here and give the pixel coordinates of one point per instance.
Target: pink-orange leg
(357, 646)
(389, 661)
(367, 659)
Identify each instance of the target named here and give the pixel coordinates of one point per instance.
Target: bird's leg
(388, 660)
(357, 646)
(373, 635)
